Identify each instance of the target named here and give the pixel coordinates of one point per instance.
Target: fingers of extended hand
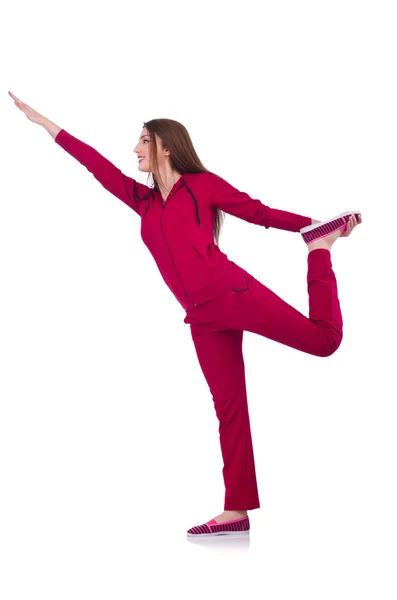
(349, 227)
(17, 101)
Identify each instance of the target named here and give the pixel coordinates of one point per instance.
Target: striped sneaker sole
(212, 528)
(228, 533)
(324, 228)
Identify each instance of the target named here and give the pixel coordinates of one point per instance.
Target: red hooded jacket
(179, 232)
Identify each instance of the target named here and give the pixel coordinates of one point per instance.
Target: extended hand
(31, 114)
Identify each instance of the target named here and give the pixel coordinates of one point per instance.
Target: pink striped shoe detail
(324, 228)
(212, 528)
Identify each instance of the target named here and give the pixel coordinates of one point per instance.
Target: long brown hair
(183, 157)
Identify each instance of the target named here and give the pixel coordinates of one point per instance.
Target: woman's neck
(169, 178)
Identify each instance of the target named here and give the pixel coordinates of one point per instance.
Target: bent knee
(331, 345)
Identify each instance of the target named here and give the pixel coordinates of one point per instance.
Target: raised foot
(326, 241)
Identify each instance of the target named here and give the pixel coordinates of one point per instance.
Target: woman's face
(143, 152)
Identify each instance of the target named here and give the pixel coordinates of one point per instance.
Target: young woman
(180, 225)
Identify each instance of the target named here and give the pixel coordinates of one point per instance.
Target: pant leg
(217, 328)
(257, 309)
(221, 359)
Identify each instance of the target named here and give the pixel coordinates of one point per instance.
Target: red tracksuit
(221, 299)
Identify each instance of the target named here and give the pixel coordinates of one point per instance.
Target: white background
(109, 446)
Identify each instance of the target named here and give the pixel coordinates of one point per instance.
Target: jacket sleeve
(239, 204)
(134, 194)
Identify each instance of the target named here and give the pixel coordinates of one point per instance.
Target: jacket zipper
(173, 262)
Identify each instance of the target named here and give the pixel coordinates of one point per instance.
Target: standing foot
(230, 515)
(230, 522)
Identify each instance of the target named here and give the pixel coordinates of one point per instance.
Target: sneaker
(212, 528)
(324, 228)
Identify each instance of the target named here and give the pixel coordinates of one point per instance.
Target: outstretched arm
(134, 194)
(229, 199)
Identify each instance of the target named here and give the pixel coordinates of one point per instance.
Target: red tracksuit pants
(217, 328)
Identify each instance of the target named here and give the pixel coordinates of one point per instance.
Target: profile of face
(142, 150)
